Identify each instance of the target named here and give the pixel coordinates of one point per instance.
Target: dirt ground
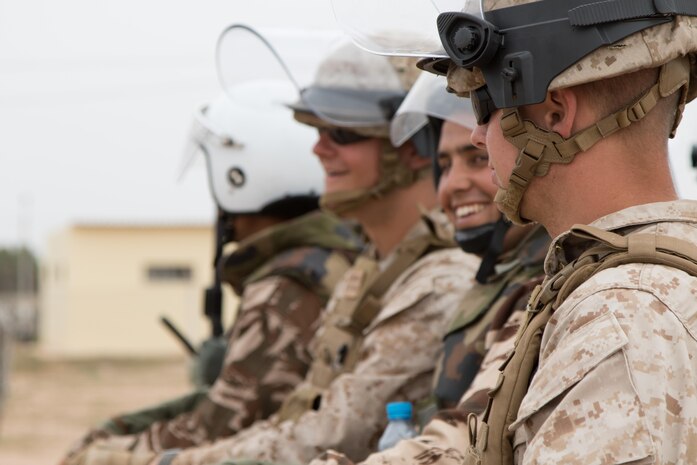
(50, 404)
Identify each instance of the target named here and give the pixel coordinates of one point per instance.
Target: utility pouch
(303, 399)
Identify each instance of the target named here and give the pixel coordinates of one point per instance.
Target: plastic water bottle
(399, 426)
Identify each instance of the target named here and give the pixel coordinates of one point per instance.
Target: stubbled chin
(333, 183)
(337, 187)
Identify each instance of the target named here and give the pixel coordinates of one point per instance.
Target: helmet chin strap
(539, 148)
(475, 240)
(486, 241)
(394, 174)
(494, 250)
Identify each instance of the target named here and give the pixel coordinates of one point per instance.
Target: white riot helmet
(256, 155)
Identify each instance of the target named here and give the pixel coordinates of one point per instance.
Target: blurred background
(98, 237)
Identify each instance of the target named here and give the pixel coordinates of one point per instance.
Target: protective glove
(208, 361)
(331, 457)
(99, 454)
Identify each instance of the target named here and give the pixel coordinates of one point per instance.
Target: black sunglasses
(342, 136)
(482, 104)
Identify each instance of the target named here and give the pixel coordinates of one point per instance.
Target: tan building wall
(104, 288)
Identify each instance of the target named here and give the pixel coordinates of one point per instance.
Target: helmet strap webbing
(539, 147)
(394, 174)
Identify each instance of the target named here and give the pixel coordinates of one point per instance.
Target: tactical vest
(338, 346)
(490, 440)
(517, 273)
(313, 250)
(477, 312)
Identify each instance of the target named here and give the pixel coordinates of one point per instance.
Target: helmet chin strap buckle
(486, 241)
(394, 174)
(538, 148)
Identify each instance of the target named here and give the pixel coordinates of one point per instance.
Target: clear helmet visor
(398, 27)
(332, 89)
(253, 150)
(429, 97)
(474, 8)
(258, 98)
(199, 133)
(244, 55)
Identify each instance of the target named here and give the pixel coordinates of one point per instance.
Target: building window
(169, 273)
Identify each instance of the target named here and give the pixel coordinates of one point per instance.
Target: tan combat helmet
(356, 90)
(516, 51)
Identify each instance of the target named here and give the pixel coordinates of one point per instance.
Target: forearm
(443, 441)
(346, 420)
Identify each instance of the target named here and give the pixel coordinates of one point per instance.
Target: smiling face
(348, 167)
(465, 190)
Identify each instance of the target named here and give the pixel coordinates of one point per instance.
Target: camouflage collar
(529, 252)
(316, 229)
(566, 248)
(519, 264)
(432, 223)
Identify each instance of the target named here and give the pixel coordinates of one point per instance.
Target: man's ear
(407, 152)
(561, 112)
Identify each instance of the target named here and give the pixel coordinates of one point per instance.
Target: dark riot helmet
(509, 53)
(520, 49)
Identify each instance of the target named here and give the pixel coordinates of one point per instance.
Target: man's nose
(478, 136)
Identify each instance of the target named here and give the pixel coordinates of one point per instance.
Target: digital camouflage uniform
(483, 331)
(617, 376)
(284, 276)
(396, 362)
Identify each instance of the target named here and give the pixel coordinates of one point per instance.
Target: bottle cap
(399, 411)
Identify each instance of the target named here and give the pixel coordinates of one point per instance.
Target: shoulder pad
(313, 267)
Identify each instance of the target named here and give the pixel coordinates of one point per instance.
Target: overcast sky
(96, 98)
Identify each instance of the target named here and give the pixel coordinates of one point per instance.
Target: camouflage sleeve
(616, 380)
(267, 356)
(396, 363)
(101, 453)
(445, 439)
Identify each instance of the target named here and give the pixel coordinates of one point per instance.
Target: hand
(208, 362)
(83, 443)
(100, 453)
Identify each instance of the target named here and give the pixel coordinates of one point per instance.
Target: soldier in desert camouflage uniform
(418, 278)
(604, 370)
(490, 313)
(383, 326)
(288, 259)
